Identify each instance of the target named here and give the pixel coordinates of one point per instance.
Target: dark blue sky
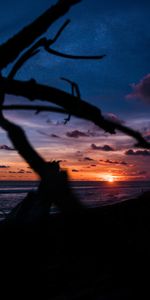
(119, 29)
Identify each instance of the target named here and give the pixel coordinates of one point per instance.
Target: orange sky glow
(83, 150)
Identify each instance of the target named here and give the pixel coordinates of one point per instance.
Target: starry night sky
(119, 85)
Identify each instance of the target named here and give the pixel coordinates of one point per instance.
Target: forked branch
(75, 91)
(10, 50)
(46, 44)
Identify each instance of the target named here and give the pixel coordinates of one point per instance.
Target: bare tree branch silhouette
(38, 108)
(46, 43)
(29, 34)
(72, 104)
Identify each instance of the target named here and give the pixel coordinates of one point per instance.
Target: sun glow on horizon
(109, 178)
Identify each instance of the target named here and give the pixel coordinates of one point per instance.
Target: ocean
(91, 193)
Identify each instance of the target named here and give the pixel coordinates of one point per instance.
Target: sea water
(91, 193)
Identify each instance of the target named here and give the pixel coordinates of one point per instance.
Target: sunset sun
(109, 178)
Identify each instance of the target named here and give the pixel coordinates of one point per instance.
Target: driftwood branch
(10, 50)
(73, 105)
(34, 50)
(66, 23)
(39, 108)
(71, 56)
(20, 62)
(33, 91)
(46, 43)
(74, 87)
(75, 92)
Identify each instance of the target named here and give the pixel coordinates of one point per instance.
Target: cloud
(88, 159)
(137, 153)
(75, 170)
(4, 167)
(48, 135)
(142, 173)
(78, 153)
(115, 162)
(141, 90)
(106, 148)
(108, 161)
(5, 147)
(76, 134)
(21, 171)
(123, 163)
(55, 136)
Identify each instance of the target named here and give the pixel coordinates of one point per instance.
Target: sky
(119, 85)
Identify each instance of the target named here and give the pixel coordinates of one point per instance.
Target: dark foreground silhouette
(91, 253)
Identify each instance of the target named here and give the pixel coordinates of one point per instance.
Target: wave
(15, 190)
